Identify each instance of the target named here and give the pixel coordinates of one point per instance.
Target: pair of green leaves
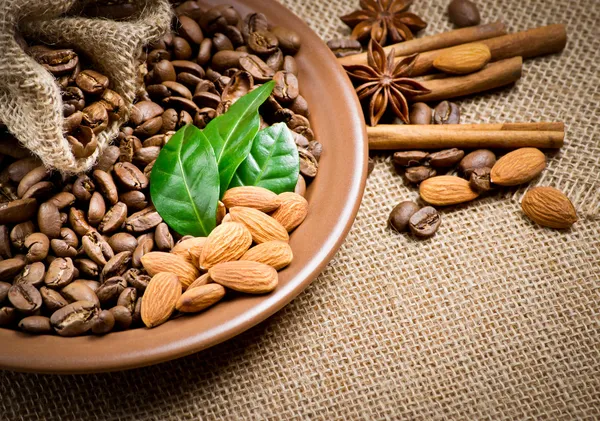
(195, 168)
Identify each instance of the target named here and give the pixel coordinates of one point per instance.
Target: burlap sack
(30, 100)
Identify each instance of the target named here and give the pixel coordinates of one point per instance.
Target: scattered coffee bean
(342, 47)
(425, 222)
(401, 214)
(463, 13)
(25, 298)
(446, 158)
(420, 113)
(446, 113)
(74, 319)
(479, 180)
(409, 158)
(481, 158)
(38, 325)
(418, 174)
(104, 323)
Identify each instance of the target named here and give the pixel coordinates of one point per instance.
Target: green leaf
(231, 134)
(273, 161)
(184, 183)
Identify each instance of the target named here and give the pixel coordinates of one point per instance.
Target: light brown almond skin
(251, 197)
(518, 167)
(292, 210)
(445, 190)
(160, 298)
(277, 254)
(157, 261)
(463, 59)
(190, 249)
(227, 242)
(245, 276)
(549, 207)
(201, 280)
(200, 298)
(262, 226)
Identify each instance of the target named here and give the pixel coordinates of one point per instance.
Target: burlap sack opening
(30, 100)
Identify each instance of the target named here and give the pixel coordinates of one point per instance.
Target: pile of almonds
(242, 254)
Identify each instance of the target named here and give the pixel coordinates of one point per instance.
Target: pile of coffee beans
(71, 246)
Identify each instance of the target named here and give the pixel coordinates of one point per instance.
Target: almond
(200, 298)
(549, 207)
(277, 254)
(245, 276)
(446, 190)
(463, 59)
(292, 210)
(158, 261)
(262, 227)
(518, 167)
(190, 249)
(201, 280)
(160, 297)
(221, 212)
(228, 241)
(251, 197)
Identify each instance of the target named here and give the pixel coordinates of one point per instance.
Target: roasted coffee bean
(463, 13)
(254, 22)
(446, 158)
(232, 17)
(92, 82)
(32, 274)
(32, 177)
(62, 200)
(128, 299)
(446, 113)
(143, 220)
(144, 111)
(10, 146)
(5, 252)
(109, 291)
(177, 89)
(40, 190)
(4, 287)
(204, 52)
(87, 267)
(212, 21)
(298, 120)
(145, 245)
(189, 8)
(169, 120)
(286, 87)
(83, 188)
(25, 298)
(316, 149)
(122, 317)
(78, 222)
(262, 42)
(289, 40)
(188, 66)
(135, 200)
(342, 47)
(69, 237)
(123, 241)
(114, 104)
(60, 273)
(479, 180)
(182, 49)
(108, 158)
(136, 317)
(235, 35)
(127, 148)
(204, 116)
(308, 164)
(136, 279)
(62, 249)
(300, 140)
(239, 85)
(257, 68)
(401, 214)
(425, 222)
(72, 122)
(207, 100)
(190, 30)
(56, 61)
(226, 59)
(409, 158)
(38, 325)
(104, 323)
(97, 209)
(74, 319)
(158, 92)
(481, 158)
(96, 248)
(418, 174)
(156, 140)
(420, 113)
(116, 266)
(74, 96)
(221, 42)
(106, 185)
(188, 79)
(52, 299)
(275, 60)
(157, 55)
(20, 168)
(20, 232)
(148, 169)
(17, 211)
(212, 75)
(93, 285)
(37, 245)
(146, 155)
(303, 130)
(163, 238)
(180, 103)
(8, 316)
(149, 128)
(95, 117)
(80, 291)
(290, 65)
(48, 220)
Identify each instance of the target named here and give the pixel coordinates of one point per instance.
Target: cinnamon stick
(421, 137)
(435, 42)
(492, 76)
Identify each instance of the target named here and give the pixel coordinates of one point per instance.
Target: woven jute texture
(30, 100)
(493, 318)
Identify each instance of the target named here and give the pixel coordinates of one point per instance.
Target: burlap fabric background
(30, 101)
(493, 318)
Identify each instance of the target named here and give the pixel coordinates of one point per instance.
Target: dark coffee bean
(48, 220)
(157, 55)
(148, 168)
(290, 65)
(204, 52)
(78, 222)
(128, 299)
(226, 59)
(308, 164)
(316, 149)
(87, 267)
(463, 13)
(299, 106)
(17, 211)
(181, 104)
(74, 96)
(481, 158)
(286, 87)
(189, 8)
(207, 100)
(163, 238)
(144, 111)
(69, 237)
(106, 185)
(74, 319)
(257, 68)
(212, 75)
(146, 155)
(38, 325)
(116, 266)
(93, 285)
(80, 292)
(37, 245)
(254, 22)
(181, 49)
(446, 158)
(122, 316)
(169, 120)
(158, 92)
(446, 113)
(32, 274)
(18, 169)
(188, 79)
(298, 120)
(143, 220)
(107, 159)
(32, 177)
(289, 40)
(8, 316)
(129, 176)
(190, 30)
(262, 42)
(92, 82)
(234, 34)
(128, 147)
(62, 200)
(145, 245)
(177, 89)
(39, 191)
(479, 180)
(62, 249)
(60, 273)
(135, 200)
(83, 187)
(20, 232)
(275, 60)
(204, 116)
(420, 113)
(419, 174)
(220, 42)
(425, 222)
(96, 248)
(109, 291)
(212, 21)
(95, 117)
(10, 146)
(72, 122)
(149, 128)
(409, 158)
(4, 287)
(188, 67)
(114, 104)
(342, 47)
(104, 323)
(56, 61)
(52, 299)
(401, 214)
(123, 241)
(136, 279)
(156, 140)
(25, 298)
(97, 209)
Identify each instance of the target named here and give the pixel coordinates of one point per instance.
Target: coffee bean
(189, 8)
(83, 140)
(308, 164)
(32, 177)
(134, 200)
(74, 319)
(286, 87)
(275, 60)
(290, 65)
(62, 249)
(136, 317)
(62, 200)
(39, 191)
(25, 298)
(108, 158)
(83, 187)
(409, 158)
(235, 35)
(342, 47)
(80, 291)
(299, 106)
(204, 52)
(117, 265)
(446, 158)
(136, 279)
(92, 82)
(4, 287)
(446, 113)
(96, 248)
(104, 323)
(20, 232)
(212, 21)
(32, 274)
(10, 267)
(190, 30)
(109, 291)
(106, 185)
(144, 111)
(178, 89)
(97, 209)
(8, 316)
(481, 158)
(254, 22)
(163, 238)
(420, 113)
(316, 149)
(425, 222)
(113, 219)
(78, 222)
(419, 174)
(72, 122)
(262, 42)
(38, 325)
(143, 220)
(149, 128)
(5, 252)
(52, 300)
(95, 117)
(220, 42)
(122, 317)
(400, 215)
(128, 298)
(60, 273)
(257, 68)
(37, 245)
(87, 267)
(114, 104)
(20, 168)
(479, 180)
(463, 13)
(145, 245)
(48, 220)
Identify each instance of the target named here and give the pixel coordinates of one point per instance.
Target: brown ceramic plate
(334, 198)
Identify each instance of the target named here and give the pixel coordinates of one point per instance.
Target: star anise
(383, 21)
(385, 82)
